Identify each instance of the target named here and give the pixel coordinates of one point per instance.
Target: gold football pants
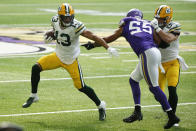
(172, 74)
(51, 61)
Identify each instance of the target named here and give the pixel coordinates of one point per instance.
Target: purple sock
(160, 97)
(135, 91)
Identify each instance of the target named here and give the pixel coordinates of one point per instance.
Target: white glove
(112, 51)
(155, 25)
(48, 39)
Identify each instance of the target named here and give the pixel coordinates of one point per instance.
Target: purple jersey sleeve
(139, 34)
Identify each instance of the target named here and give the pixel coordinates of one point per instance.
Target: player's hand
(113, 51)
(48, 39)
(155, 25)
(89, 45)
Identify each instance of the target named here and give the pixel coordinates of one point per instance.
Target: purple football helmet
(135, 13)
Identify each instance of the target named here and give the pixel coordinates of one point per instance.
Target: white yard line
(130, 60)
(85, 110)
(90, 77)
(192, 66)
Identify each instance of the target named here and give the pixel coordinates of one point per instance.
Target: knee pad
(85, 89)
(132, 82)
(36, 69)
(172, 89)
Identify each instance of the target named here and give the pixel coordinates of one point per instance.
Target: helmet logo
(168, 11)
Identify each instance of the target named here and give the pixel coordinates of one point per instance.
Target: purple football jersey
(139, 34)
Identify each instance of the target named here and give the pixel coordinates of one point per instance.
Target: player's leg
(173, 75)
(76, 74)
(44, 63)
(150, 62)
(134, 83)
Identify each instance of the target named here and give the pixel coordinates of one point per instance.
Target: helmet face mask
(164, 15)
(66, 21)
(135, 13)
(162, 22)
(66, 15)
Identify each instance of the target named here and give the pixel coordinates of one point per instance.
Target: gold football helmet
(66, 15)
(164, 13)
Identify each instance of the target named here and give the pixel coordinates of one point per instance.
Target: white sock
(102, 105)
(33, 95)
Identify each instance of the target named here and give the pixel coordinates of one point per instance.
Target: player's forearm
(100, 42)
(167, 37)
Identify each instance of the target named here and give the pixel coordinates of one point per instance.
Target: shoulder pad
(174, 26)
(121, 23)
(78, 26)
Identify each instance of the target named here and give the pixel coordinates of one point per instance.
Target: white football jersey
(67, 43)
(171, 52)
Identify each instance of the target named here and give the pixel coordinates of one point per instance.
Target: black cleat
(30, 101)
(134, 117)
(171, 122)
(102, 113)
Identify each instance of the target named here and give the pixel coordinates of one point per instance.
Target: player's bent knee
(36, 69)
(86, 89)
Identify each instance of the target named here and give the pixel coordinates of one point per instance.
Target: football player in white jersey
(169, 32)
(66, 31)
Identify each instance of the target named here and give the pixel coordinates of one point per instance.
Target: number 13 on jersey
(65, 39)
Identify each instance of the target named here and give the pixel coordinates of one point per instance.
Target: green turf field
(61, 106)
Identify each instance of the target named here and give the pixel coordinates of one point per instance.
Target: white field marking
(85, 110)
(100, 13)
(21, 49)
(192, 66)
(130, 60)
(88, 77)
(105, 57)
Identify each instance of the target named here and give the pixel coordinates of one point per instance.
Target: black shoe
(30, 101)
(102, 113)
(134, 117)
(171, 122)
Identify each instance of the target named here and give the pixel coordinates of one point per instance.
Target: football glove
(48, 39)
(113, 51)
(155, 25)
(89, 45)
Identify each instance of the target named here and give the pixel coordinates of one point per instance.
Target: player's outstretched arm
(108, 39)
(88, 34)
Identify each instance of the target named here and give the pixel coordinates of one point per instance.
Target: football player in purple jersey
(139, 34)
